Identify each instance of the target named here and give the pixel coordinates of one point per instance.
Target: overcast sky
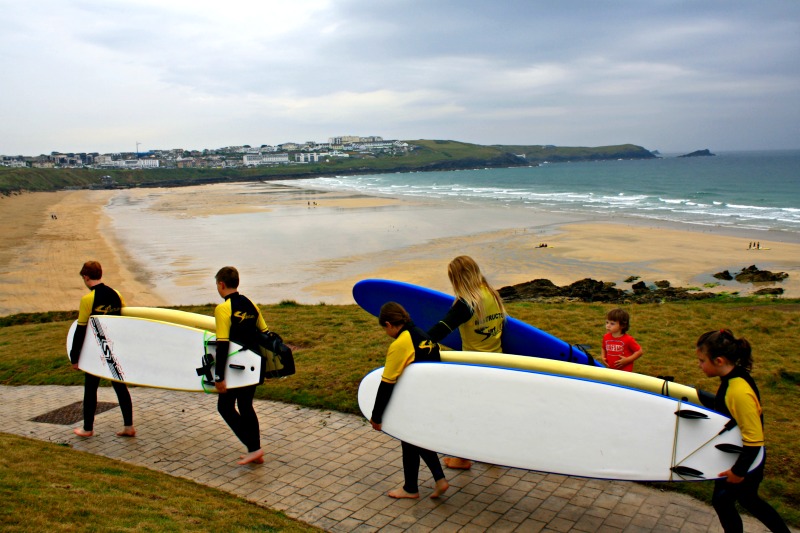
(675, 76)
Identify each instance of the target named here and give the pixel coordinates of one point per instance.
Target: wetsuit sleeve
(401, 354)
(381, 401)
(121, 299)
(745, 408)
(84, 312)
(222, 318)
(261, 324)
(457, 315)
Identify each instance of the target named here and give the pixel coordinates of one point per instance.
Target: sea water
(742, 190)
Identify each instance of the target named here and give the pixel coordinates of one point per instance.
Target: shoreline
(162, 247)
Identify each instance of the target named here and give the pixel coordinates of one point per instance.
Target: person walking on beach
(721, 354)
(410, 345)
(101, 300)
(478, 313)
(240, 320)
(619, 349)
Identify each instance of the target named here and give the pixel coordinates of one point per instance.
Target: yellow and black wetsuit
(101, 300)
(412, 345)
(239, 320)
(738, 398)
(476, 335)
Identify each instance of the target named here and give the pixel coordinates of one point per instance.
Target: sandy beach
(163, 246)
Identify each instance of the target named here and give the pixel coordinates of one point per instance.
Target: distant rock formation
(698, 153)
(752, 274)
(589, 290)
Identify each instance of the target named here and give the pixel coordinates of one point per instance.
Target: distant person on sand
(238, 319)
(619, 349)
(410, 345)
(721, 354)
(101, 300)
(478, 313)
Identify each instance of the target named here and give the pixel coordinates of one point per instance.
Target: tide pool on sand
(552, 423)
(151, 353)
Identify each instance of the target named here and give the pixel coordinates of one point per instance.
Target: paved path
(332, 470)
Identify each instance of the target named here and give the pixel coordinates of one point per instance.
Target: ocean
(742, 190)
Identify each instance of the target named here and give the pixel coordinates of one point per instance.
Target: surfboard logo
(106, 350)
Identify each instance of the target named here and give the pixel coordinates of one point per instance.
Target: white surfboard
(157, 354)
(563, 368)
(552, 423)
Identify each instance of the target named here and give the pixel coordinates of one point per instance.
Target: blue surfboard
(427, 307)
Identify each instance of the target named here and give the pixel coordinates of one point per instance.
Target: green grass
(335, 346)
(50, 487)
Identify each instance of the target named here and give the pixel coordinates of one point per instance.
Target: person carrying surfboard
(478, 313)
(101, 300)
(721, 354)
(410, 345)
(240, 320)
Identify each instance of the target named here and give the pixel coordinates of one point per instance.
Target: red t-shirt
(619, 347)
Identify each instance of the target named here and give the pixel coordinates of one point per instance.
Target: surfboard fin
(685, 471)
(729, 448)
(690, 415)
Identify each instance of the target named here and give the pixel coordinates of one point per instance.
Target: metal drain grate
(69, 414)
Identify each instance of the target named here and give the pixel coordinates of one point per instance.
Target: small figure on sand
(542, 245)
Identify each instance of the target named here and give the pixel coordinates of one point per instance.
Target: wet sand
(163, 246)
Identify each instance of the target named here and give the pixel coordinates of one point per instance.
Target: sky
(674, 76)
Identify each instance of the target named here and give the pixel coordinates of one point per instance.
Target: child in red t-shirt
(620, 350)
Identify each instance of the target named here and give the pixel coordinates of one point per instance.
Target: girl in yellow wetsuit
(478, 313)
(721, 354)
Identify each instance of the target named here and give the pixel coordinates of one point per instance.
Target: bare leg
(457, 463)
(441, 487)
(401, 493)
(127, 431)
(252, 457)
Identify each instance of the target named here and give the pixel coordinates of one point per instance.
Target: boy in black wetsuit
(240, 320)
(101, 300)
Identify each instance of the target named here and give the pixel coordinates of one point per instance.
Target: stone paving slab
(333, 471)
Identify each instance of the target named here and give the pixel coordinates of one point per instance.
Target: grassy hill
(428, 155)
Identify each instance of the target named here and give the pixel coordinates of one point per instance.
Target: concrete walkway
(333, 471)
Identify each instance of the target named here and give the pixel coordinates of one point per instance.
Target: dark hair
(621, 316)
(393, 313)
(722, 343)
(92, 269)
(229, 276)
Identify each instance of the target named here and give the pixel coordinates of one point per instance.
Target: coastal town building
(343, 146)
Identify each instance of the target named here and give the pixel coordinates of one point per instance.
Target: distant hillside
(428, 155)
(562, 154)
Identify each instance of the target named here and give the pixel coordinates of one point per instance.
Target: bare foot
(82, 432)
(259, 461)
(401, 493)
(457, 463)
(441, 487)
(252, 457)
(127, 431)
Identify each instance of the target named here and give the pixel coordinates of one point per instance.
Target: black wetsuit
(101, 300)
(411, 345)
(739, 392)
(239, 320)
